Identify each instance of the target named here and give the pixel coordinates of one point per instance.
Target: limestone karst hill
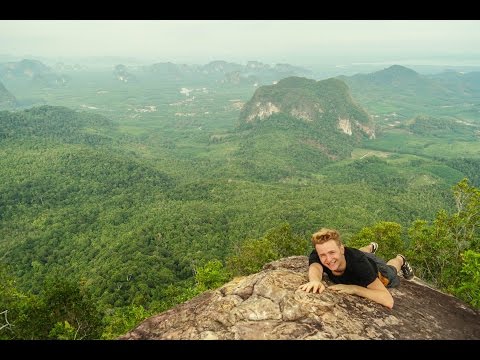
(7, 100)
(31, 72)
(267, 305)
(298, 126)
(325, 104)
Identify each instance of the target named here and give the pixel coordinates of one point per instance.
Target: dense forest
(105, 220)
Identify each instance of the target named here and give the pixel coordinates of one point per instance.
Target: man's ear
(342, 249)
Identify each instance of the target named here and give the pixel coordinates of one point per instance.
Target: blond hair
(323, 235)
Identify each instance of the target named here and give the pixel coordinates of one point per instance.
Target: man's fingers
(315, 287)
(305, 287)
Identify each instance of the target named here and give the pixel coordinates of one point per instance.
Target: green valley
(130, 191)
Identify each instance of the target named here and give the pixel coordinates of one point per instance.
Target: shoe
(374, 247)
(407, 270)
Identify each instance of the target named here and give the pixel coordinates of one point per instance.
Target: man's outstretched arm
(375, 291)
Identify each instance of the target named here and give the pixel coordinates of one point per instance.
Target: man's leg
(396, 262)
(400, 263)
(370, 248)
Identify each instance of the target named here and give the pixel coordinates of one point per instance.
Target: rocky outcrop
(263, 111)
(268, 305)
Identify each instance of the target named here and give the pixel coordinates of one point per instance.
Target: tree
(277, 243)
(387, 234)
(444, 252)
(469, 288)
(251, 256)
(211, 275)
(71, 312)
(121, 320)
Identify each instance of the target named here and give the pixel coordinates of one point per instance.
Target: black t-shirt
(359, 271)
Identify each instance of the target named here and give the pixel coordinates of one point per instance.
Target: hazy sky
(200, 41)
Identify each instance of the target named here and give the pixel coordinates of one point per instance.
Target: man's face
(331, 255)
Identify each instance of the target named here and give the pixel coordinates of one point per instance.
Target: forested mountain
(403, 91)
(459, 83)
(7, 100)
(323, 103)
(302, 122)
(57, 124)
(23, 69)
(31, 71)
(394, 76)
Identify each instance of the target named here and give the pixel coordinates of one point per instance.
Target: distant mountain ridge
(466, 84)
(7, 100)
(403, 89)
(226, 72)
(395, 78)
(31, 71)
(393, 75)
